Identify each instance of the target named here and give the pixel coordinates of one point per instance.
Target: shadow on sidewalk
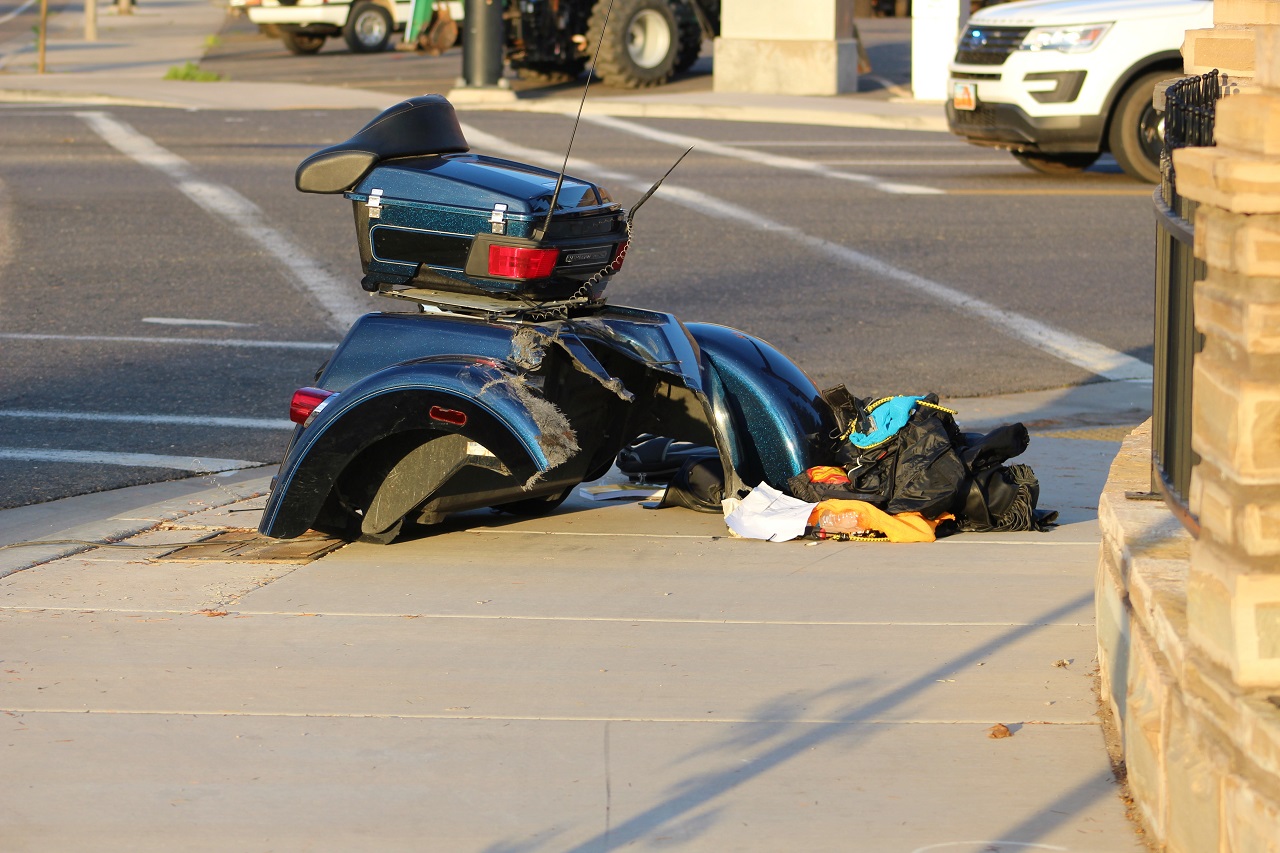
(685, 807)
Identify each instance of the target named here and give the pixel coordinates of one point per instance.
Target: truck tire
(368, 29)
(550, 73)
(642, 43)
(690, 38)
(302, 43)
(1137, 130)
(1056, 164)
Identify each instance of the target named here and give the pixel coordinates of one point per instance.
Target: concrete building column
(801, 48)
(935, 27)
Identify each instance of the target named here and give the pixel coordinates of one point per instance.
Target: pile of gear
(899, 469)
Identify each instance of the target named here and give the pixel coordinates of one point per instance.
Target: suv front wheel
(1137, 130)
(368, 29)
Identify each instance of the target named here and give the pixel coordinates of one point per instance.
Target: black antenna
(653, 189)
(546, 226)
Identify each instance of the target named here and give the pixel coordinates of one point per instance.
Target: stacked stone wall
(1189, 630)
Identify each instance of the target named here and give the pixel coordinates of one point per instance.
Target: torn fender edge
(399, 399)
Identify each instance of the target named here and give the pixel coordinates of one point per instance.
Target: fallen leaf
(1062, 662)
(214, 612)
(999, 730)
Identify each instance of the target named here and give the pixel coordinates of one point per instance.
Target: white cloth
(767, 513)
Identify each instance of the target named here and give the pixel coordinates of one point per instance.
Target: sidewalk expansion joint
(519, 618)
(536, 718)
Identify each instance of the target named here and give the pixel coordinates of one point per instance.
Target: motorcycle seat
(419, 126)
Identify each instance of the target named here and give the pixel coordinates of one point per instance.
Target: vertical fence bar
(1189, 118)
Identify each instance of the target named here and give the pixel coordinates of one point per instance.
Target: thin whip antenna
(653, 189)
(591, 71)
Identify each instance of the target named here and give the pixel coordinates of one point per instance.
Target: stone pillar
(1229, 46)
(1221, 768)
(935, 27)
(804, 48)
(1233, 601)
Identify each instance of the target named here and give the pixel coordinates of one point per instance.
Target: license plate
(964, 96)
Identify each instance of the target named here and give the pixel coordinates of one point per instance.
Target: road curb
(720, 112)
(117, 514)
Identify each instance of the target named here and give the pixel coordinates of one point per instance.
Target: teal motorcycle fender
(767, 413)
(478, 399)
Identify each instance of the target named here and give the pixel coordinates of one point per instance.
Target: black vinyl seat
(419, 126)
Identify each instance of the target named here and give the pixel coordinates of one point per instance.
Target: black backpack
(929, 466)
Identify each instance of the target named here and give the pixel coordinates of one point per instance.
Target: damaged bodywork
(515, 381)
(416, 429)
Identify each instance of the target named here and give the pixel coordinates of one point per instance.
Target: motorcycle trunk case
(430, 221)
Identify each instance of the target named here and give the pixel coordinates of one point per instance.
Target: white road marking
(196, 464)
(179, 420)
(994, 161)
(204, 342)
(1073, 349)
(706, 146)
(990, 845)
(847, 143)
(337, 298)
(4, 19)
(186, 321)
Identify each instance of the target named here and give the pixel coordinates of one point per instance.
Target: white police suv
(1058, 82)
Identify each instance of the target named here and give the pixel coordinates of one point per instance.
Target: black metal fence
(1188, 121)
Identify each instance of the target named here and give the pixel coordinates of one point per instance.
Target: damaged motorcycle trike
(513, 380)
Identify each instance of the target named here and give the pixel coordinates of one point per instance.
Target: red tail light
(448, 416)
(522, 261)
(305, 402)
(622, 256)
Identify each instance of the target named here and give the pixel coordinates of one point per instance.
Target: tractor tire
(1056, 164)
(301, 44)
(1137, 130)
(368, 30)
(690, 39)
(642, 43)
(550, 74)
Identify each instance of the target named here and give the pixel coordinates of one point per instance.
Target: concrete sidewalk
(606, 677)
(128, 63)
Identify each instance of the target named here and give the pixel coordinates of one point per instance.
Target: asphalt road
(134, 320)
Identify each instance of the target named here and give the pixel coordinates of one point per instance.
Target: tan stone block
(1112, 618)
(1250, 122)
(1212, 697)
(1260, 530)
(1193, 781)
(1257, 613)
(1267, 56)
(1234, 180)
(1233, 611)
(1260, 740)
(1252, 820)
(1217, 511)
(1215, 412)
(1210, 624)
(1228, 49)
(1243, 311)
(1245, 12)
(1145, 731)
(1246, 244)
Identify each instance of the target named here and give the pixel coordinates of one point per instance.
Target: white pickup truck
(1058, 82)
(303, 25)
